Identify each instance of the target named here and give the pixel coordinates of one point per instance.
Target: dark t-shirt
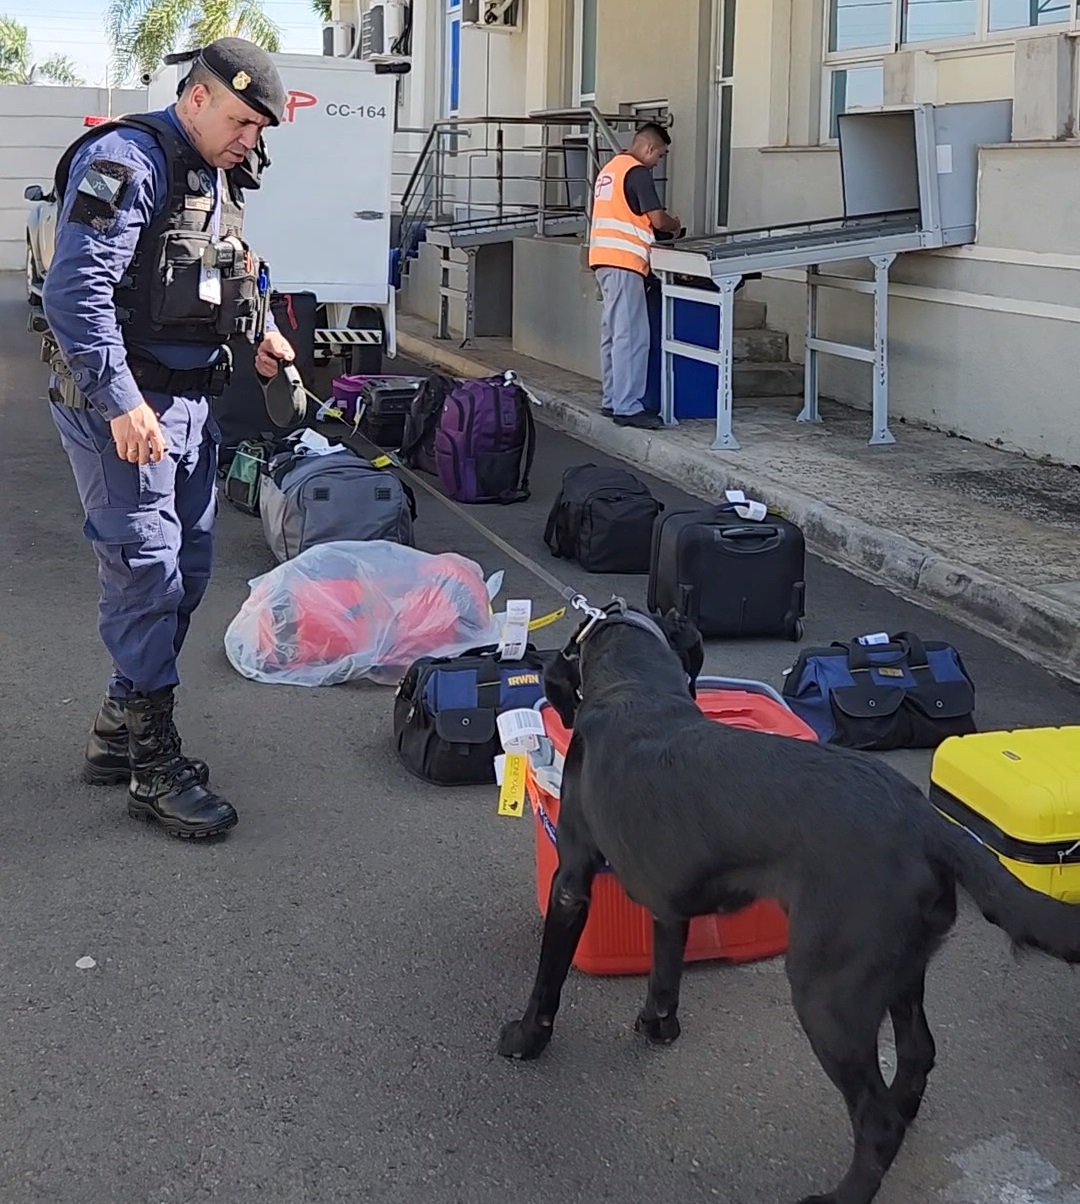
(640, 191)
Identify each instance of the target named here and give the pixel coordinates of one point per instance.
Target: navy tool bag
(445, 712)
(877, 696)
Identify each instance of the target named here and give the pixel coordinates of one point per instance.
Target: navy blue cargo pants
(152, 529)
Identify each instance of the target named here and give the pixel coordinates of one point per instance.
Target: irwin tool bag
(603, 518)
(417, 448)
(881, 692)
(485, 441)
(445, 712)
(307, 498)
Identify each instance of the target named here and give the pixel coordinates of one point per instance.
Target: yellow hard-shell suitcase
(1018, 793)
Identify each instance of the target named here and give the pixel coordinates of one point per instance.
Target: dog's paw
(660, 1030)
(516, 1040)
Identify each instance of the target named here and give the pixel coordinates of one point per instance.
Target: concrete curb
(1035, 626)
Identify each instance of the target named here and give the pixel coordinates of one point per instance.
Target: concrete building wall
(37, 123)
(981, 339)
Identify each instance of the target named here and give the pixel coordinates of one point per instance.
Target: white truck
(322, 216)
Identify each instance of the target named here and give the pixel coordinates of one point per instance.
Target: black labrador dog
(697, 817)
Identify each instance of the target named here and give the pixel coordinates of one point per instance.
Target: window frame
(580, 97)
(451, 104)
(871, 56)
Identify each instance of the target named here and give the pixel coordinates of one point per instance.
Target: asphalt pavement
(306, 1012)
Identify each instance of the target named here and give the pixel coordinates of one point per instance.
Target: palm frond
(59, 69)
(142, 32)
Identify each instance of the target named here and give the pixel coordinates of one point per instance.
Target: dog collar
(616, 611)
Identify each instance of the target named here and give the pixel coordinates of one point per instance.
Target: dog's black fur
(697, 817)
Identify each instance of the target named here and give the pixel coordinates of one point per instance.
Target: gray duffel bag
(307, 499)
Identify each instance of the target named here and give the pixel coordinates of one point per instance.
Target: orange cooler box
(618, 933)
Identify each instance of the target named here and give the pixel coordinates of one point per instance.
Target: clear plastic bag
(349, 610)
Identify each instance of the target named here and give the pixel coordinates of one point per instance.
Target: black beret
(248, 72)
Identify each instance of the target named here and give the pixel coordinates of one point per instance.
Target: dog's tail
(1031, 920)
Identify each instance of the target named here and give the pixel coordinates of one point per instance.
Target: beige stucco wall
(982, 342)
(660, 52)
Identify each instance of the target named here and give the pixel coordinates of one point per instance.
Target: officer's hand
(270, 352)
(138, 436)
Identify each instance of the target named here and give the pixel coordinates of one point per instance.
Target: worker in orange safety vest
(627, 214)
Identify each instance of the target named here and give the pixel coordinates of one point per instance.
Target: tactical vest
(157, 300)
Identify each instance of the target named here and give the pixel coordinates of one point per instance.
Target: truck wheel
(366, 359)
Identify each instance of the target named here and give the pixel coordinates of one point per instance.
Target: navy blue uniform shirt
(88, 263)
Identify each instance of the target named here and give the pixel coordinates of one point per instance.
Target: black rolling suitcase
(386, 406)
(732, 577)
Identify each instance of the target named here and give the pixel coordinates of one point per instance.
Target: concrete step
(767, 380)
(749, 315)
(760, 346)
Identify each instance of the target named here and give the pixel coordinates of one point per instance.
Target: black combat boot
(107, 759)
(165, 785)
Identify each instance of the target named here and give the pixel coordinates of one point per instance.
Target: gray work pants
(624, 339)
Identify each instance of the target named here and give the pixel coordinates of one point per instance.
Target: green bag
(244, 478)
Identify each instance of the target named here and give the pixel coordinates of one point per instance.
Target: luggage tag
(744, 507)
(520, 733)
(515, 632)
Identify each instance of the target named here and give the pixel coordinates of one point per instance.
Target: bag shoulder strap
(523, 492)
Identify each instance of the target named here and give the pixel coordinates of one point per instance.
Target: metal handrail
(424, 199)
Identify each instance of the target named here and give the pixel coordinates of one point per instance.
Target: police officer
(149, 285)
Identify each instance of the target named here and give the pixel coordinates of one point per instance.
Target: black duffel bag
(446, 707)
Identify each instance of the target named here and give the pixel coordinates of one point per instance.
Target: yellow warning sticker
(512, 791)
(547, 620)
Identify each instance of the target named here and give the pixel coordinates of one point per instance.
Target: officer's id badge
(101, 193)
(241, 80)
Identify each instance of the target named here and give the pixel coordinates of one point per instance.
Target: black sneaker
(643, 420)
(607, 411)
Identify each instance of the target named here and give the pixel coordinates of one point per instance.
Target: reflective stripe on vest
(619, 237)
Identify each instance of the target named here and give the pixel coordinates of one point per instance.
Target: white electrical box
(496, 16)
(321, 218)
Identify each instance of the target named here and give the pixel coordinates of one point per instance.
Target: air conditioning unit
(338, 39)
(496, 16)
(380, 28)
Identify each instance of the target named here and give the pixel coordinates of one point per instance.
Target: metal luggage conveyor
(909, 177)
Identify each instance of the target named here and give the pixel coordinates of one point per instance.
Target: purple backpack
(484, 442)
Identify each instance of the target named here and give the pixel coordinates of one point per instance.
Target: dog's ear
(685, 639)
(562, 680)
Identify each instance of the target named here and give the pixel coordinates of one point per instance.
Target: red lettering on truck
(298, 100)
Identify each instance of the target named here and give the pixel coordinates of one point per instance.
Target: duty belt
(156, 378)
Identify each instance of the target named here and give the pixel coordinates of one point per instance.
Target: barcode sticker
(520, 730)
(515, 633)
(878, 637)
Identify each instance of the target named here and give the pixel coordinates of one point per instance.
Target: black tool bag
(445, 712)
(731, 577)
(603, 518)
(386, 407)
(417, 447)
(878, 696)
